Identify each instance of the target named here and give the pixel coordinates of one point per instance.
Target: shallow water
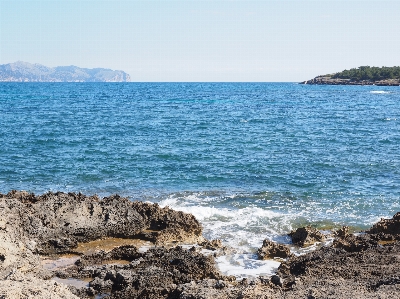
(249, 160)
(59, 262)
(108, 244)
(78, 283)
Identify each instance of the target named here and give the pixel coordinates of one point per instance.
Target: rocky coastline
(69, 245)
(328, 80)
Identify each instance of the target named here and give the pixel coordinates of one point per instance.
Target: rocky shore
(68, 245)
(327, 80)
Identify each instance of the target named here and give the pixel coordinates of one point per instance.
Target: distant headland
(363, 75)
(27, 72)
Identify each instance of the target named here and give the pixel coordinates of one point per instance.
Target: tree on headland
(369, 73)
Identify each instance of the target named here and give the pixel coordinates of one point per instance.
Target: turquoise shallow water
(250, 160)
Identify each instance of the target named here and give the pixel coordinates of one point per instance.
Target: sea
(251, 161)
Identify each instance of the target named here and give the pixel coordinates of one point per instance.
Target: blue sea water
(250, 160)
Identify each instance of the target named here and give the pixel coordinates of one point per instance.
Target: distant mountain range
(27, 72)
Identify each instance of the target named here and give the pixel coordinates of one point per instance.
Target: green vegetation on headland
(370, 73)
(363, 75)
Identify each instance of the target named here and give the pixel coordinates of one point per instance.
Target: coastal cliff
(364, 75)
(27, 72)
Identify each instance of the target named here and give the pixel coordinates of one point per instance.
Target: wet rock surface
(270, 250)
(304, 236)
(33, 227)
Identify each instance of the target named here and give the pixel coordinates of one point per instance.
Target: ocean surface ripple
(250, 160)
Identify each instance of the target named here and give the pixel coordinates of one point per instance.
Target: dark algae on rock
(364, 75)
(52, 227)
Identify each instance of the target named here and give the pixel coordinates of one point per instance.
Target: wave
(379, 91)
(243, 220)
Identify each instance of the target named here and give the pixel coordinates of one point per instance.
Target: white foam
(243, 226)
(379, 91)
(242, 229)
(245, 265)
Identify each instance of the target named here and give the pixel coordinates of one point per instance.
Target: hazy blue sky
(203, 40)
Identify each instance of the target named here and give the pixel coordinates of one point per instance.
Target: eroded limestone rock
(387, 226)
(270, 250)
(355, 266)
(308, 235)
(55, 223)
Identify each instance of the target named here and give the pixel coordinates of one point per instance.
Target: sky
(203, 41)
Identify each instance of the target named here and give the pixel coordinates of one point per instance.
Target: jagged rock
(381, 234)
(352, 243)
(158, 274)
(308, 235)
(270, 250)
(56, 222)
(276, 280)
(212, 245)
(165, 225)
(343, 274)
(343, 232)
(356, 266)
(387, 226)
